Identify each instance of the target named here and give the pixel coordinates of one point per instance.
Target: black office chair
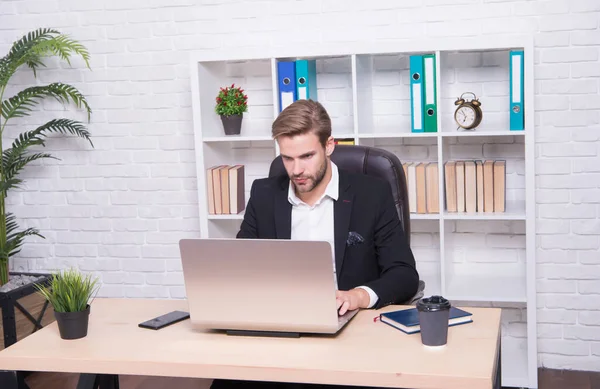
(376, 162)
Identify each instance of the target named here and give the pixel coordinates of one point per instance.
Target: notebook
(408, 320)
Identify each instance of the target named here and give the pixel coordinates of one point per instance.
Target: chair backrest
(372, 161)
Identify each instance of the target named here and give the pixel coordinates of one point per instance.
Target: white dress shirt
(316, 222)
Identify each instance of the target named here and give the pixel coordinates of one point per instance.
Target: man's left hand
(351, 300)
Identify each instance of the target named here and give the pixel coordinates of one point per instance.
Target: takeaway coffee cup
(434, 313)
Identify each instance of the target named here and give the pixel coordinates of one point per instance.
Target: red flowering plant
(231, 100)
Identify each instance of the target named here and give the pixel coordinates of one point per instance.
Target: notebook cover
(410, 318)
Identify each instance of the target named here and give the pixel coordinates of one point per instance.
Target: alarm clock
(468, 114)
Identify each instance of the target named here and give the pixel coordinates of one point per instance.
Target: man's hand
(351, 300)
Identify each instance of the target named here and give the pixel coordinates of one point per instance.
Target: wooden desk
(364, 353)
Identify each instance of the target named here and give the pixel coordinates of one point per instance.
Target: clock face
(465, 116)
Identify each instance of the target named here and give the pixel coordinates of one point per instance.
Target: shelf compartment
(255, 159)
(254, 77)
(224, 228)
(486, 288)
(514, 211)
(485, 260)
(383, 93)
(334, 89)
(484, 73)
(470, 182)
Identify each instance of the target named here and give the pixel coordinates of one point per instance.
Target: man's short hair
(301, 117)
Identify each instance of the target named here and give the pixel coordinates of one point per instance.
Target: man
(374, 265)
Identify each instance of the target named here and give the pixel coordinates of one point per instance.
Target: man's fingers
(343, 301)
(344, 307)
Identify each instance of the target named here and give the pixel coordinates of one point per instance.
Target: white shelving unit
(484, 258)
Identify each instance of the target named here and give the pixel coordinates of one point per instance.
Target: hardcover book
(407, 320)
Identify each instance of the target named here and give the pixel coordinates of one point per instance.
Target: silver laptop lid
(261, 285)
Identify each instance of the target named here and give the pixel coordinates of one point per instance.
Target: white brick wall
(120, 209)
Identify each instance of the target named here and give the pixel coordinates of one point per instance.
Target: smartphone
(165, 320)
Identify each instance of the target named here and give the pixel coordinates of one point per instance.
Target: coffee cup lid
(433, 303)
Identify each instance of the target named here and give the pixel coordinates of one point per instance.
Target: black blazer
(381, 260)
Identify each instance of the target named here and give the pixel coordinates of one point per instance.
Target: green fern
(14, 238)
(30, 51)
(22, 103)
(36, 45)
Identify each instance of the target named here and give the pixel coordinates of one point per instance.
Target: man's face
(305, 160)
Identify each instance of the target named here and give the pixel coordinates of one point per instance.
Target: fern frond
(11, 223)
(21, 52)
(35, 137)
(22, 103)
(31, 48)
(24, 140)
(65, 126)
(71, 46)
(61, 46)
(14, 241)
(30, 39)
(14, 163)
(14, 158)
(6, 185)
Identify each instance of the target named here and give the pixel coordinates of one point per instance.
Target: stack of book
(475, 186)
(423, 187)
(225, 189)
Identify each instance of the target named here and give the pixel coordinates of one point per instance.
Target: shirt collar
(332, 190)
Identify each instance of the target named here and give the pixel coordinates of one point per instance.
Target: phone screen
(165, 320)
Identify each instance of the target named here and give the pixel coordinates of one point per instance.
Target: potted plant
(28, 53)
(232, 102)
(70, 293)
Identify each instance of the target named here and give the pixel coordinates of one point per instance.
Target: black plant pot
(232, 124)
(73, 325)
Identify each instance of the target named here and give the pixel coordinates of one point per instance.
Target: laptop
(261, 286)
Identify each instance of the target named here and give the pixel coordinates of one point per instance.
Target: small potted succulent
(70, 294)
(232, 102)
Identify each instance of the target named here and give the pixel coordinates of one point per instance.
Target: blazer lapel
(342, 211)
(283, 213)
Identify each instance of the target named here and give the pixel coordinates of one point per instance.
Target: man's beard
(311, 181)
